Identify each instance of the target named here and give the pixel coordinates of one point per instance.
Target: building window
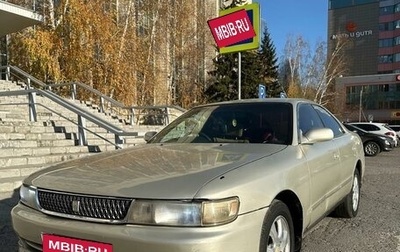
(396, 24)
(386, 10)
(358, 2)
(396, 40)
(385, 59)
(397, 8)
(383, 88)
(386, 42)
(386, 26)
(335, 4)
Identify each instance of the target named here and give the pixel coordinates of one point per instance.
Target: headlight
(182, 213)
(27, 196)
(385, 139)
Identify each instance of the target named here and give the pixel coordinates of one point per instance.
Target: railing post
(73, 91)
(119, 142)
(166, 116)
(101, 104)
(132, 116)
(28, 83)
(8, 73)
(82, 140)
(32, 107)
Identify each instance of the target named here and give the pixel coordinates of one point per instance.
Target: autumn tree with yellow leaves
(138, 52)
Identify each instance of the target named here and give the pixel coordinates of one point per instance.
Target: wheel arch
(296, 210)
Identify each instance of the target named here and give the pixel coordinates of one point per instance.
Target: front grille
(95, 207)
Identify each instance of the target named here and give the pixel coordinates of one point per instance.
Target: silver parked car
(248, 175)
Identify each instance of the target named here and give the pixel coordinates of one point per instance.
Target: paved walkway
(8, 239)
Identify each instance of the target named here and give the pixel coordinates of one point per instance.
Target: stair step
(10, 184)
(41, 151)
(11, 177)
(19, 171)
(39, 160)
(36, 143)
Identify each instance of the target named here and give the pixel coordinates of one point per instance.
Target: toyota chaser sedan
(248, 175)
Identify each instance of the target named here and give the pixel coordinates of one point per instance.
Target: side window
(368, 127)
(375, 128)
(363, 126)
(308, 118)
(329, 121)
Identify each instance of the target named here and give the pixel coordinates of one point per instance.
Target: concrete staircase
(27, 146)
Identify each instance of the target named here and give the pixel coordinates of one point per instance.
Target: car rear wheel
(372, 149)
(349, 208)
(277, 232)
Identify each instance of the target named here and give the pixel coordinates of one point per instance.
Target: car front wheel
(277, 232)
(371, 149)
(350, 205)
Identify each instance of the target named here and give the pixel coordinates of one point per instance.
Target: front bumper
(243, 234)
(388, 147)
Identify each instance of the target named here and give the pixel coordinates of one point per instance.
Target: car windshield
(231, 123)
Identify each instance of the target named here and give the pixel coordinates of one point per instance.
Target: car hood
(150, 171)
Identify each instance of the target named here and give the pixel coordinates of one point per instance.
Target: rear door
(346, 148)
(323, 161)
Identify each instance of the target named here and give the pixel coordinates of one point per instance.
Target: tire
(349, 207)
(371, 149)
(277, 232)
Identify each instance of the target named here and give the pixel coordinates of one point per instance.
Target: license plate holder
(57, 243)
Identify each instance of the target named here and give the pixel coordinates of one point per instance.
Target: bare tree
(296, 54)
(334, 67)
(314, 72)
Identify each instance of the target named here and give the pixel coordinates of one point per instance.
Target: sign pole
(240, 75)
(236, 30)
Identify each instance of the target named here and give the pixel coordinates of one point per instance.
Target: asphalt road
(376, 228)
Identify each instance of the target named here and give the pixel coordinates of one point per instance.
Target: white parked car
(378, 128)
(396, 128)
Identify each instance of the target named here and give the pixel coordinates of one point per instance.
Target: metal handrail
(81, 113)
(132, 114)
(81, 140)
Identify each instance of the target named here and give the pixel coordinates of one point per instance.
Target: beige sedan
(249, 175)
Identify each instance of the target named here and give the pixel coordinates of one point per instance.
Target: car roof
(293, 101)
(378, 123)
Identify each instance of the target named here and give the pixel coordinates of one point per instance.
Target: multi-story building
(370, 90)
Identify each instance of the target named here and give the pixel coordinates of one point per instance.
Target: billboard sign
(232, 28)
(253, 13)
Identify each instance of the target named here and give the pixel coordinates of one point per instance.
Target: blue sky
(308, 18)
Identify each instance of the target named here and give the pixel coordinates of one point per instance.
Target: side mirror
(317, 135)
(148, 135)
